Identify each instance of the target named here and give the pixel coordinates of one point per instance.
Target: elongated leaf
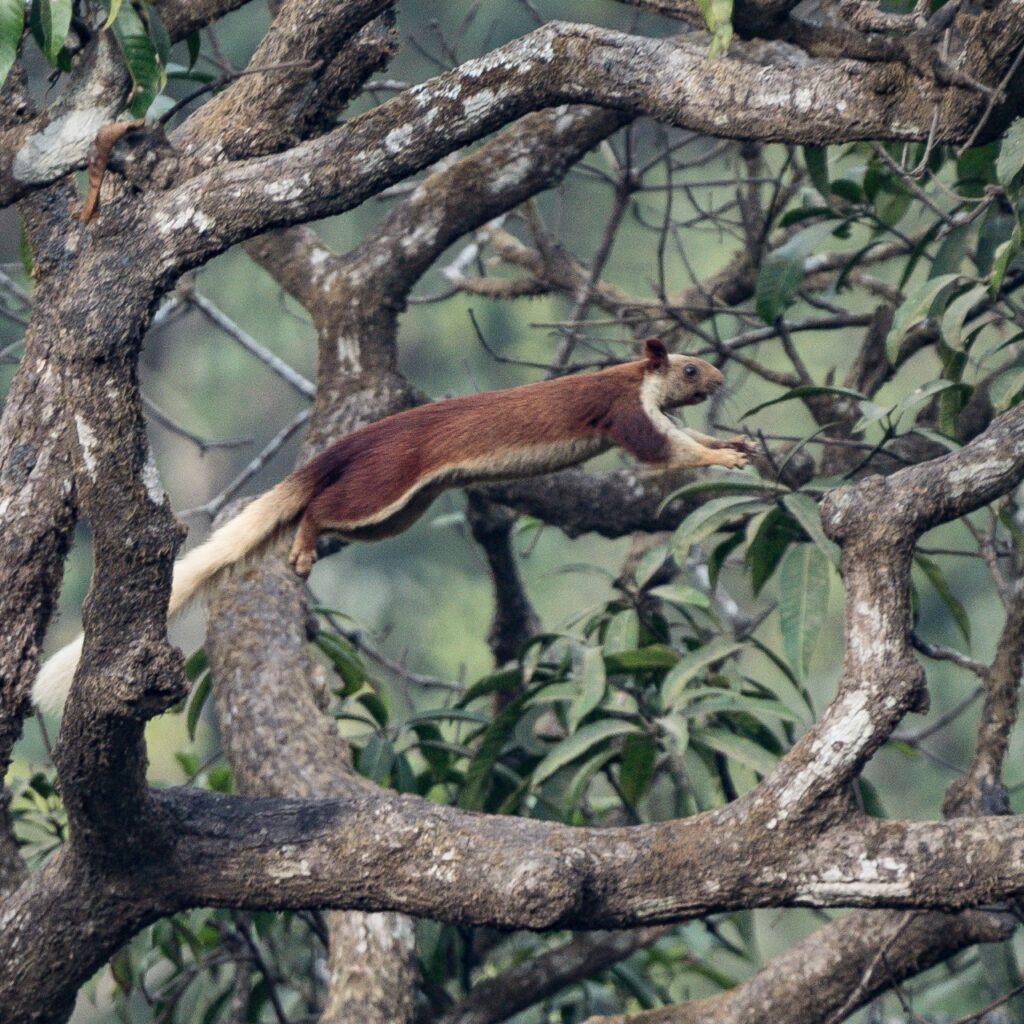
(718, 17)
(816, 159)
(579, 744)
(200, 694)
(957, 312)
(648, 566)
(804, 509)
(49, 21)
(592, 690)
(1011, 154)
(704, 521)
(656, 656)
(140, 56)
(737, 748)
(915, 308)
(706, 700)
(1006, 388)
(729, 482)
(112, 6)
(1004, 256)
(691, 664)
(623, 632)
(776, 532)
(12, 21)
(782, 271)
(919, 396)
(803, 599)
(637, 767)
(938, 580)
(682, 594)
(805, 391)
(376, 759)
(478, 774)
(447, 715)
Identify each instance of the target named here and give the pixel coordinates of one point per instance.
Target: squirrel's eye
(691, 370)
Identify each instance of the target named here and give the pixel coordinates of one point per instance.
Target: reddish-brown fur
(376, 481)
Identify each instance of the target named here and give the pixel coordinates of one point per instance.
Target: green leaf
(952, 251)
(637, 767)
(720, 553)
(957, 312)
(737, 748)
(676, 726)
(1011, 154)
(803, 599)
(916, 308)
(200, 693)
(707, 700)
(816, 159)
(1006, 388)
(376, 759)
(140, 56)
(592, 690)
(718, 18)
(776, 532)
(622, 632)
(1004, 256)
(920, 396)
(691, 664)
(481, 767)
(938, 580)
(728, 482)
(112, 6)
(649, 565)
(806, 511)
(782, 271)
(656, 656)
(711, 516)
(682, 594)
(345, 660)
(446, 715)
(193, 42)
(196, 664)
(579, 744)
(49, 21)
(12, 21)
(995, 228)
(502, 681)
(804, 391)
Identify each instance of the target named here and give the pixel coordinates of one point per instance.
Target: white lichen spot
(4, 505)
(61, 145)
(151, 480)
(419, 238)
(845, 728)
(182, 219)
(510, 175)
(395, 140)
(282, 191)
(89, 442)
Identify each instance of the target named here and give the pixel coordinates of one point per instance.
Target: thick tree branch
(38, 150)
(863, 954)
(802, 101)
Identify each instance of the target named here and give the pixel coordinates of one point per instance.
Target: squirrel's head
(675, 379)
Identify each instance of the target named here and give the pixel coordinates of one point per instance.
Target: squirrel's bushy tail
(251, 529)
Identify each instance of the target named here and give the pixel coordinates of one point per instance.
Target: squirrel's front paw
(732, 458)
(742, 443)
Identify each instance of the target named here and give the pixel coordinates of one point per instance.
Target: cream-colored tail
(256, 524)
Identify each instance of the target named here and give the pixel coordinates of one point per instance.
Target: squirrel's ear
(656, 354)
